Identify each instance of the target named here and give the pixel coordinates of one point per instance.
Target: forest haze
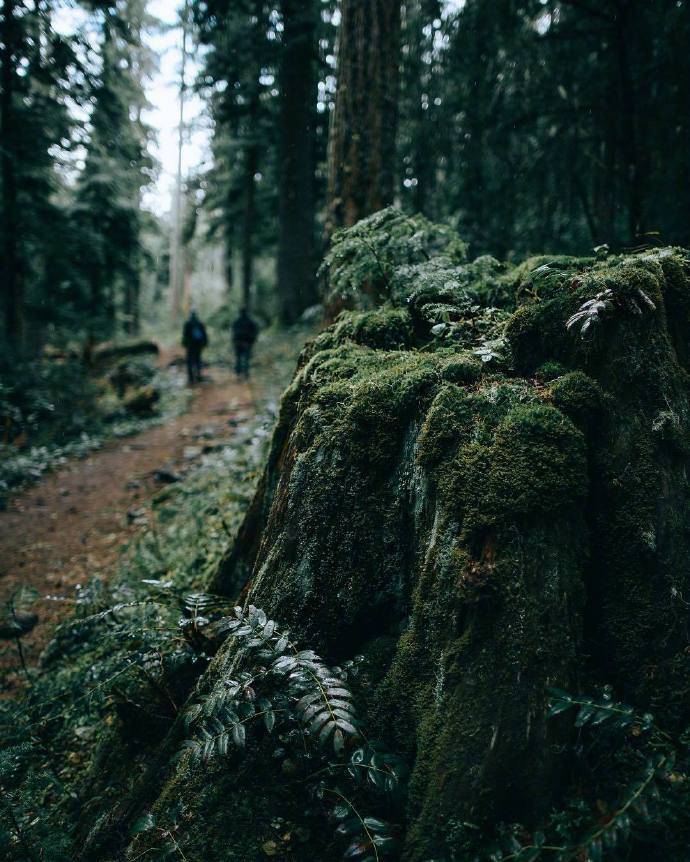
(528, 126)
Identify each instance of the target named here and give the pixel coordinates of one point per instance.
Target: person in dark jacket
(194, 339)
(244, 333)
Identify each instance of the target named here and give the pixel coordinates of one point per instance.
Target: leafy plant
(284, 681)
(293, 694)
(491, 350)
(578, 834)
(591, 313)
(363, 259)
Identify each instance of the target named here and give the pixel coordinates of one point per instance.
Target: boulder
(142, 402)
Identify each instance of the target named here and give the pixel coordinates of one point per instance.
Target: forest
(345, 430)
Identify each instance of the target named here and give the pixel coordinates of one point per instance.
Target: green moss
(535, 464)
(579, 397)
(463, 367)
(549, 371)
(676, 269)
(448, 416)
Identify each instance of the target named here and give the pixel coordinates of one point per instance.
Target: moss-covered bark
(479, 531)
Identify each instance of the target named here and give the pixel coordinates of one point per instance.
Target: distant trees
(238, 80)
(34, 125)
(531, 125)
(297, 201)
(548, 125)
(73, 165)
(10, 231)
(107, 208)
(268, 77)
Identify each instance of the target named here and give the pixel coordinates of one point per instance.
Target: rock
(166, 477)
(142, 402)
(130, 373)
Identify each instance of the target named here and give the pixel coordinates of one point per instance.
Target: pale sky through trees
(163, 94)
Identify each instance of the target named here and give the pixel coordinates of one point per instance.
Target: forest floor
(69, 528)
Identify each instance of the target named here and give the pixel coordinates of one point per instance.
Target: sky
(163, 116)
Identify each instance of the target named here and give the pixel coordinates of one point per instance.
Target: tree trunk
(177, 252)
(633, 177)
(248, 222)
(478, 537)
(251, 166)
(296, 264)
(363, 131)
(13, 311)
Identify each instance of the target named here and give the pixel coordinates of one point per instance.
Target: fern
(305, 688)
(279, 685)
(591, 313)
(641, 803)
(364, 259)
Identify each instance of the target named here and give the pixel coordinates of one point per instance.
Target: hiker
(194, 339)
(244, 332)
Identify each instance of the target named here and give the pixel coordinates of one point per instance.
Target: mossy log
(478, 530)
(109, 351)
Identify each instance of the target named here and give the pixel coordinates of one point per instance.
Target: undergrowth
(121, 657)
(51, 412)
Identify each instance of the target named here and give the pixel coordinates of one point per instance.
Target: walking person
(244, 333)
(194, 339)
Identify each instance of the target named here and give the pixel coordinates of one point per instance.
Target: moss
(385, 328)
(676, 269)
(578, 397)
(537, 331)
(549, 371)
(466, 689)
(535, 464)
(463, 367)
(448, 415)
(476, 534)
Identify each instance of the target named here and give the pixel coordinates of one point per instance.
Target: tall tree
(177, 263)
(297, 83)
(39, 72)
(108, 198)
(10, 231)
(239, 77)
(363, 132)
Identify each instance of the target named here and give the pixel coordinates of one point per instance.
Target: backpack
(197, 334)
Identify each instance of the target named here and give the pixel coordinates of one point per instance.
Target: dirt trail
(70, 526)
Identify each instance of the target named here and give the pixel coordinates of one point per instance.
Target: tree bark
(13, 316)
(363, 131)
(296, 280)
(248, 222)
(251, 166)
(633, 176)
(177, 252)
